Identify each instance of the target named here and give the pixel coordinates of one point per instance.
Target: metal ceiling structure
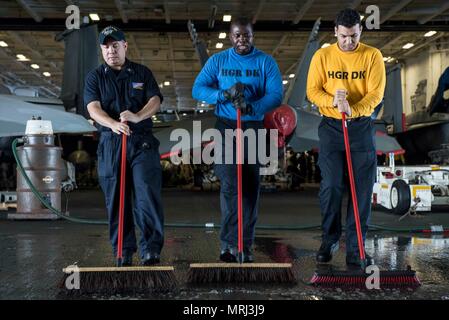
(158, 36)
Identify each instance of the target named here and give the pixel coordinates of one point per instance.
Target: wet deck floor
(33, 253)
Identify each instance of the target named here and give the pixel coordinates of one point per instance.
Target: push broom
(239, 272)
(358, 278)
(121, 279)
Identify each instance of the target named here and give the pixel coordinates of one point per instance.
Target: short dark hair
(348, 18)
(241, 21)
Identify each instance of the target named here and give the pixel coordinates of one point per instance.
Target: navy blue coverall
(332, 163)
(129, 89)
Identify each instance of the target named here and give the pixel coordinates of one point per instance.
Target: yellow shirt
(361, 72)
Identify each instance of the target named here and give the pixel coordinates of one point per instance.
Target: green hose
(42, 199)
(183, 225)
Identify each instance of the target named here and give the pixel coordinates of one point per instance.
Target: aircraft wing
(16, 112)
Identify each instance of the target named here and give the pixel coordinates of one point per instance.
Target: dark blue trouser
(143, 204)
(332, 163)
(227, 173)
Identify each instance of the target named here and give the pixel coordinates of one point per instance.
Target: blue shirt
(257, 70)
(129, 89)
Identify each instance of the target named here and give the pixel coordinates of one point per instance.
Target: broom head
(202, 273)
(118, 280)
(359, 279)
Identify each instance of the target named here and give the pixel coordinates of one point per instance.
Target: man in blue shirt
(216, 84)
(121, 96)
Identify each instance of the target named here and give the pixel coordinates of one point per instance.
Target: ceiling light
(284, 81)
(21, 57)
(94, 17)
(201, 111)
(222, 35)
(408, 46)
(166, 83)
(429, 34)
(227, 17)
(184, 114)
(47, 74)
(325, 45)
(3, 44)
(391, 59)
(219, 45)
(291, 75)
(35, 66)
(361, 18)
(386, 58)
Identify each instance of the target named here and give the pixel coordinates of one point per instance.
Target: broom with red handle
(121, 214)
(240, 272)
(122, 279)
(353, 192)
(239, 187)
(358, 278)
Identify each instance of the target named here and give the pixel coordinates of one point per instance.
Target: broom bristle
(241, 273)
(126, 280)
(387, 279)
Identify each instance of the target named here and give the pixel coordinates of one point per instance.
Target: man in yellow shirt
(349, 77)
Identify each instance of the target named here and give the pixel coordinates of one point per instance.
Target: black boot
(248, 256)
(327, 249)
(353, 259)
(150, 258)
(228, 255)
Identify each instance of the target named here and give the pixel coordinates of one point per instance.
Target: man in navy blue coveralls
(216, 84)
(121, 96)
